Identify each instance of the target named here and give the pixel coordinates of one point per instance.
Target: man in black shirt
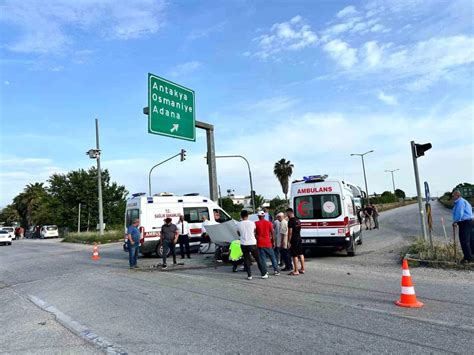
(294, 241)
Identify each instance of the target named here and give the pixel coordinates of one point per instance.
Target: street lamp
(252, 196)
(393, 180)
(363, 168)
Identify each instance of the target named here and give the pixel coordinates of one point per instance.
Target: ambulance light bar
(314, 178)
(138, 194)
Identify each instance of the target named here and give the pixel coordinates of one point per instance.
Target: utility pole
(79, 220)
(99, 179)
(393, 180)
(418, 150)
(363, 168)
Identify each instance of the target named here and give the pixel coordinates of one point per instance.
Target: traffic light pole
(154, 166)
(418, 191)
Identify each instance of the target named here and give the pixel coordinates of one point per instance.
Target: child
(235, 254)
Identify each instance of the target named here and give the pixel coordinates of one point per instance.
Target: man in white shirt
(183, 239)
(248, 243)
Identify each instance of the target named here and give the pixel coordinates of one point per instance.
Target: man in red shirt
(266, 241)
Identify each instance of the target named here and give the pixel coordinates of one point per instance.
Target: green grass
(441, 255)
(91, 237)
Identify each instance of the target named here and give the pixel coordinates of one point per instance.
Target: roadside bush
(91, 237)
(440, 255)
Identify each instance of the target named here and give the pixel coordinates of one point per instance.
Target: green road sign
(171, 109)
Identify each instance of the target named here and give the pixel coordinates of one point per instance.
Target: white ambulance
(327, 210)
(152, 210)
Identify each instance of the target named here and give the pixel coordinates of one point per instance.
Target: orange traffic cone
(95, 252)
(408, 296)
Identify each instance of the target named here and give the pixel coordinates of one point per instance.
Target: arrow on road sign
(175, 127)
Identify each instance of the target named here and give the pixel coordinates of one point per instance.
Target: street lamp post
(363, 168)
(182, 153)
(250, 175)
(393, 179)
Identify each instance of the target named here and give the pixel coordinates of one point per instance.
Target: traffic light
(420, 149)
(183, 155)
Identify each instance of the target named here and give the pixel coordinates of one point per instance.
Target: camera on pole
(182, 155)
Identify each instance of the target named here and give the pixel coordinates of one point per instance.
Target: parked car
(11, 231)
(50, 231)
(5, 237)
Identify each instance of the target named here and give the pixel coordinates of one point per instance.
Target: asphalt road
(55, 299)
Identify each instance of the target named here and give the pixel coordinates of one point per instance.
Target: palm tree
(283, 170)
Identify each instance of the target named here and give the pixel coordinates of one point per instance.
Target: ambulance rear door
(320, 211)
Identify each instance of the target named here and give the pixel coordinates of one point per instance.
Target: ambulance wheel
(351, 249)
(359, 241)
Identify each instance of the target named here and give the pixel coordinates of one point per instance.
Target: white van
(327, 210)
(152, 210)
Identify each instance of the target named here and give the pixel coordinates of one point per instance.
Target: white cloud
(342, 53)
(49, 27)
(185, 68)
(274, 104)
(6, 82)
(347, 11)
(286, 36)
(206, 32)
(389, 100)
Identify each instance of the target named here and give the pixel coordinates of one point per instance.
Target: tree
(400, 193)
(259, 201)
(278, 204)
(9, 215)
(31, 204)
(69, 190)
(283, 170)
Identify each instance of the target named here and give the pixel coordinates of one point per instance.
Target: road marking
(77, 328)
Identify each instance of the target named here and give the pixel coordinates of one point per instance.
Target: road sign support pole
(418, 191)
(211, 159)
(99, 178)
(211, 156)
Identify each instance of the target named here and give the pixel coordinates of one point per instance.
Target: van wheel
(351, 249)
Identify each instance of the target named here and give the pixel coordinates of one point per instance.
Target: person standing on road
(294, 241)
(375, 215)
(169, 236)
(285, 252)
(368, 217)
(266, 241)
(462, 218)
(183, 239)
(248, 243)
(133, 243)
(276, 231)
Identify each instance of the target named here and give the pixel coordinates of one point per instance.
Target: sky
(308, 81)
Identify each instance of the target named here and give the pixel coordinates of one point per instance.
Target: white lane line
(78, 328)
